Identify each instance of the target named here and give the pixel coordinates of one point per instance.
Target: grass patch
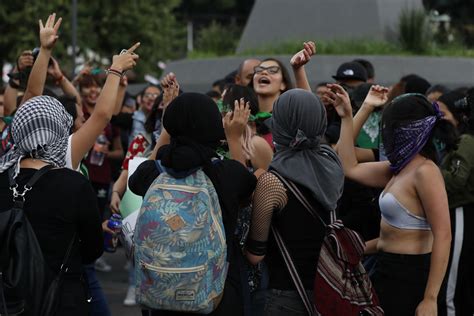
(348, 47)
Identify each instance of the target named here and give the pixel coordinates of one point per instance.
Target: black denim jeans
(285, 303)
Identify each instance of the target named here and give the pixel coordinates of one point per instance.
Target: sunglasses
(271, 70)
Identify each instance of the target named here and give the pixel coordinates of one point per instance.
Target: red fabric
(342, 286)
(137, 146)
(269, 138)
(101, 174)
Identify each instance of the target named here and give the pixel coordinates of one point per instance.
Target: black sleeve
(243, 181)
(90, 225)
(143, 177)
(122, 120)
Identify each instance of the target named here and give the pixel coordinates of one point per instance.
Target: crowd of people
(396, 163)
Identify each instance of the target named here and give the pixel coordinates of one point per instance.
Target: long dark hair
(411, 107)
(463, 114)
(154, 115)
(236, 92)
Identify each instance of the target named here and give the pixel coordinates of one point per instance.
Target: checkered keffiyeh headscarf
(40, 130)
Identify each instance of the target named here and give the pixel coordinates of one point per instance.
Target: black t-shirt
(61, 202)
(234, 185)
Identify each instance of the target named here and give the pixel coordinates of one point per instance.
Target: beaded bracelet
(115, 72)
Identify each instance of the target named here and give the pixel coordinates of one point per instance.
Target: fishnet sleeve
(270, 195)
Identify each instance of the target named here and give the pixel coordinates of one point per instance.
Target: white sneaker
(130, 297)
(102, 266)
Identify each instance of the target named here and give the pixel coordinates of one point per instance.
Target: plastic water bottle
(97, 156)
(111, 240)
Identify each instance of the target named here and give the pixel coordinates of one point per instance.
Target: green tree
(104, 27)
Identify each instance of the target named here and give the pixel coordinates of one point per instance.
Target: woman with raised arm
(82, 140)
(415, 232)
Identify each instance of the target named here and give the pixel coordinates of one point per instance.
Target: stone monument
(278, 21)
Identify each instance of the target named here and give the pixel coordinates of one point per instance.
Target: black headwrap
(195, 126)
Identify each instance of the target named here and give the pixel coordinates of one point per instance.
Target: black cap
(351, 71)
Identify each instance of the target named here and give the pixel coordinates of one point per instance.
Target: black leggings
(400, 281)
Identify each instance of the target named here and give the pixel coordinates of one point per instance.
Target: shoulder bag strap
(286, 254)
(302, 199)
(293, 273)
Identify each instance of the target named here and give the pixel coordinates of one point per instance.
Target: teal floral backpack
(180, 247)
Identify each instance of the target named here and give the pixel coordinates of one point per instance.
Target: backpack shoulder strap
(38, 174)
(64, 267)
(302, 199)
(19, 198)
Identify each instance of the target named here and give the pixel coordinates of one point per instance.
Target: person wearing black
(61, 204)
(298, 125)
(195, 125)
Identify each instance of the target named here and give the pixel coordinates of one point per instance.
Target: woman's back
(61, 203)
(303, 236)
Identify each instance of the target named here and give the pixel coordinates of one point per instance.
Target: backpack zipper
(172, 270)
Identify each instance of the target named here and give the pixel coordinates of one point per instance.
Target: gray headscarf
(298, 123)
(40, 130)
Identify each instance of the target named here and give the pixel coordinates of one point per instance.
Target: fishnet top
(302, 234)
(269, 195)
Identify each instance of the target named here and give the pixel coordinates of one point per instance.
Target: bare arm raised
(84, 138)
(48, 37)
(374, 174)
(298, 61)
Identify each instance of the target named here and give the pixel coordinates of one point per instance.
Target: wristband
(13, 84)
(115, 72)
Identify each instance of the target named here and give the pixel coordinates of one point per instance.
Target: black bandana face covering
(40, 130)
(408, 140)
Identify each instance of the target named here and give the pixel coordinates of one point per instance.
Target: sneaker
(130, 297)
(102, 266)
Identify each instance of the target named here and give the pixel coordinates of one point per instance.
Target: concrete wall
(198, 75)
(274, 21)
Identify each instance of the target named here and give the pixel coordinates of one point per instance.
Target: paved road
(115, 284)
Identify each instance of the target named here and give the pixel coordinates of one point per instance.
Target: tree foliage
(104, 27)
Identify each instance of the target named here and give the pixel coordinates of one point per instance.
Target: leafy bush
(414, 32)
(218, 39)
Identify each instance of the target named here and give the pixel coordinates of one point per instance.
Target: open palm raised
(49, 31)
(377, 96)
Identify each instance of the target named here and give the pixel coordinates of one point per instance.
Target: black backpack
(23, 270)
